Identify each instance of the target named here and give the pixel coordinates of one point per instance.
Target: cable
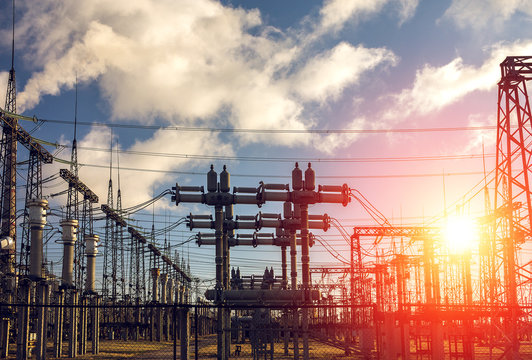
(273, 131)
(290, 159)
(386, 176)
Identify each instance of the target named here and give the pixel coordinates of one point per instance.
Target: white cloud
(478, 139)
(437, 87)
(407, 9)
(326, 75)
(330, 143)
(190, 60)
(137, 186)
(481, 14)
(335, 13)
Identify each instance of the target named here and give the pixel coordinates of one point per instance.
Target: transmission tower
(513, 205)
(9, 157)
(109, 277)
(118, 248)
(72, 209)
(9, 184)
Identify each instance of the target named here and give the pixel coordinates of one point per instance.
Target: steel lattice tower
(109, 278)
(72, 209)
(513, 205)
(9, 158)
(118, 248)
(9, 184)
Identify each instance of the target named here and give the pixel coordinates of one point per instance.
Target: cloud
(330, 143)
(483, 138)
(407, 9)
(480, 14)
(335, 13)
(326, 75)
(137, 186)
(192, 61)
(437, 87)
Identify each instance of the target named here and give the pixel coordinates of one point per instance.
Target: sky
(259, 67)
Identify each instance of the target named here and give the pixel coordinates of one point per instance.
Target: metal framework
(513, 174)
(108, 279)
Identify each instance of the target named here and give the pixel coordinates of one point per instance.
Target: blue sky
(298, 65)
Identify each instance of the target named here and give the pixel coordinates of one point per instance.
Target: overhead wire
(264, 176)
(272, 131)
(289, 159)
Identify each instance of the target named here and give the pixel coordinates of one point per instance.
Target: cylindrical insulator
(245, 217)
(185, 296)
(177, 291)
(310, 178)
(225, 180)
(164, 283)
(181, 292)
(229, 212)
(297, 178)
(212, 180)
(69, 227)
(297, 211)
(91, 249)
(155, 272)
(37, 218)
(276, 186)
(287, 210)
(170, 291)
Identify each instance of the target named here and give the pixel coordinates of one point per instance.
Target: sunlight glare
(460, 234)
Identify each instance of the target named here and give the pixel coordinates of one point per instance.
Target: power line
(385, 176)
(273, 131)
(290, 159)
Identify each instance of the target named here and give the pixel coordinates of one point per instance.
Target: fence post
(174, 326)
(185, 332)
(196, 332)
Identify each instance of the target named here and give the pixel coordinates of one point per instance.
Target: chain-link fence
(93, 329)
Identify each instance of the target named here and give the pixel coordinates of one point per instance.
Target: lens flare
(460, 234)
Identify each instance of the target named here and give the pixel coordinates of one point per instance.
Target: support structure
(218, 196)
(513, 174)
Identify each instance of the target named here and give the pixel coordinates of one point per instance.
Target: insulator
(310, 178)
(331, 188)
(37, 218)
(244, 236)
(276, 186)
(229, 212)
(297, 178)
(191, 188)
(297, 211)
(247, 190)
(317, 217)
(212, 180)
(245, 217)
(269, 215)
(287, 210)
(199, 217)
(69, 239)
(225, 180)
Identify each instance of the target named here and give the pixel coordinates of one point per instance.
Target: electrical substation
(117, 286)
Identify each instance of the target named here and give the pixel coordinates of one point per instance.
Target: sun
(460, 234)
